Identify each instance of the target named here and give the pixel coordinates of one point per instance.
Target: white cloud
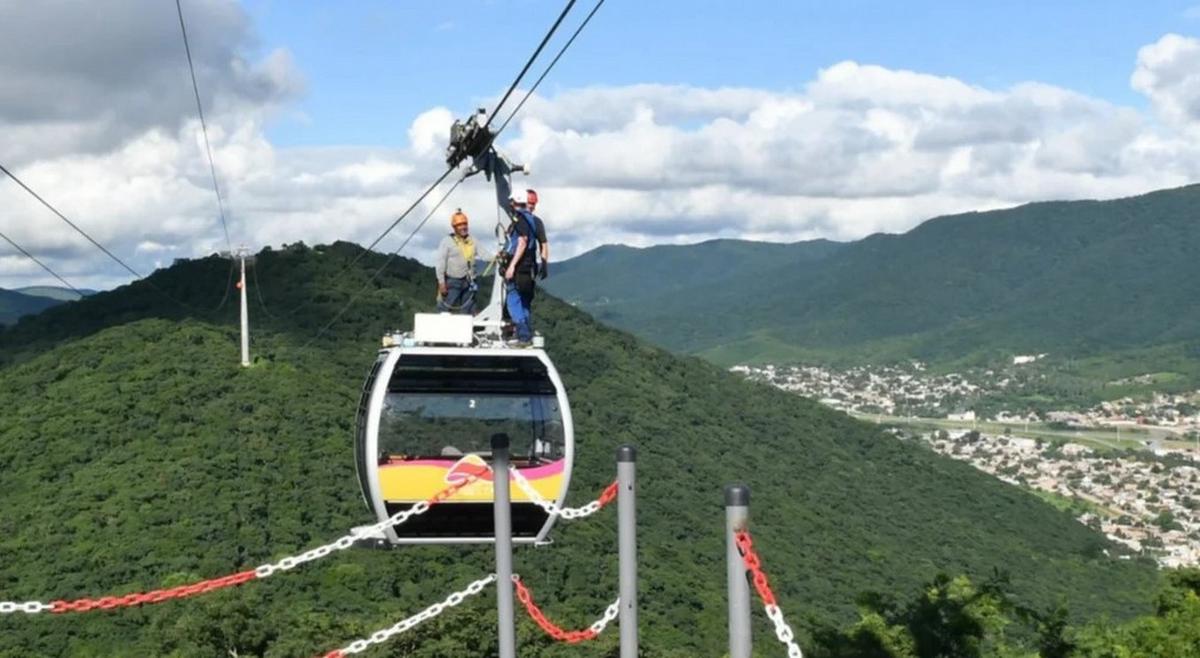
(1168, 71)
(858, 149)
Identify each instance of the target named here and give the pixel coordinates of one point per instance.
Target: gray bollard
(737, 514)
(502, 512)
(627, 548)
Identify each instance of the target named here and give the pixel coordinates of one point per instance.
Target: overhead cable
(96, 244)
(41, 264)
(494, 112)
(212, 168)
(548, 68)
(69, 222)
(529, 63)
(396, 223)
(381, 268)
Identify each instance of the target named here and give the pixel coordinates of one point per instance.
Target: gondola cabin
(428, 410)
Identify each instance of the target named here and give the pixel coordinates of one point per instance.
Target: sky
(666, 122)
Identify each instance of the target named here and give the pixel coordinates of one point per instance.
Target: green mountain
(1073, 278)
(14, 305)
(135, 453)
(618, 277)
(55, 292)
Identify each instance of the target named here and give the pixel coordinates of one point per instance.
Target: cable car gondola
(436, 395)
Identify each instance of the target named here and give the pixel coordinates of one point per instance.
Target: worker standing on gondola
(522, 250)
(455, 268)
(543, 269)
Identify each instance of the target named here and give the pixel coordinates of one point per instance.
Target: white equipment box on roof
(443, 329)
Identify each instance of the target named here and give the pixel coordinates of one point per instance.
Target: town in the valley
(1129, 467)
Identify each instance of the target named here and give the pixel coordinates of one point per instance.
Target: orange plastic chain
(554, 631)
(156, 596)
(754, 565)
(204, 586)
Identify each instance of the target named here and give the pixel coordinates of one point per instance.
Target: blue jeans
(517, 299)
(460, 297)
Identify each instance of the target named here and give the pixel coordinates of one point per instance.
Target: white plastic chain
(552, 508)
(610, 614)
(783, 631)
(379, 637)
(342, 543)
(27, 607)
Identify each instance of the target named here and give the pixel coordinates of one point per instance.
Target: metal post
(245, 313)
(737, 513)
(502, 512)
(627, 548)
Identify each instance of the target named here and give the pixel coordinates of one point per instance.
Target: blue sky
(373, 66)
(667, 122)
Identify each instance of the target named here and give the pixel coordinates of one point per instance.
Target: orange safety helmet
(459, 217)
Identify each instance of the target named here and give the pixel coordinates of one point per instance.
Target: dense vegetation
(634, 277)
(955, 617)
(135, 453)
(15, 304)
(1078, 279)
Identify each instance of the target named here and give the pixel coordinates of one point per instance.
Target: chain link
(27, 607)
(783, 631)
(381, 636)
(553, 509)
(610, 615)
(753, 564)
(554, 630)
(346, 541)
(231, 580)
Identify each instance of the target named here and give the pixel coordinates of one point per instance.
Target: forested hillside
(614, 278)
(1076, 278)
(15, 304)
(135, 453)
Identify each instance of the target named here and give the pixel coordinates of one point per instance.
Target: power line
(529, 63)
(396, 223)
(212, 168)
(99, 246)
(381, 268)
(258, 290)
(228, 285)
(69, 222)
(548, 68)
(41, 264)
(495, 111)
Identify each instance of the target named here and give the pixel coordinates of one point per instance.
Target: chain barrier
(783, 632)
(553, 509)
(381, 636)
(232, 580)
(346, 541)
(28, 607)
(558, 633)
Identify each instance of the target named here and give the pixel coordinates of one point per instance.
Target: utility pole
(241, 255)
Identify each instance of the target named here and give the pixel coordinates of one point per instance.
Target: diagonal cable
(396, 223)
(548, 68)
(41, 264)
(63, 217)
(212, 168)
(495, 111)
(529, 63)
(381, 268)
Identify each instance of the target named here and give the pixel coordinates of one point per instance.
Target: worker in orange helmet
(454, 267)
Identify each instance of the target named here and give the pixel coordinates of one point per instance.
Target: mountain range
(1073, 279)
(32, 300)
(135, 453)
